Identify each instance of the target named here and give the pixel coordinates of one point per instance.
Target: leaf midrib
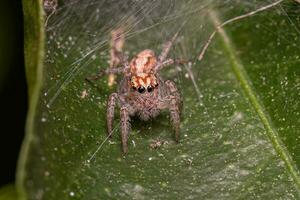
(34, 66)
(246, 85)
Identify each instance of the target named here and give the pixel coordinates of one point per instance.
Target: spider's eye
(134, 88)
(141, 89)
(149, 89)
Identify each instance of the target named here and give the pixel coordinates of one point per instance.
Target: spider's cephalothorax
(142, 92)
(142, 72)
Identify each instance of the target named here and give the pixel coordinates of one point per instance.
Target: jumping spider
(142, 91)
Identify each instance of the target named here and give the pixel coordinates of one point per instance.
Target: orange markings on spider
(142, 70)
(144, 80)
(144, 62)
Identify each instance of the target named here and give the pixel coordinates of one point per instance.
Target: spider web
(87, 45)
(78, 45)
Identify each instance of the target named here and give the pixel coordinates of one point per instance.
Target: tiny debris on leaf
(157, 143)
(84, 94)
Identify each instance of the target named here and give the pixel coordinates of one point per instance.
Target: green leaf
(240, 125)
(8, 192)
(34, 54)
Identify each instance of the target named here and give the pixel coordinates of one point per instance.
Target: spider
(142, 92)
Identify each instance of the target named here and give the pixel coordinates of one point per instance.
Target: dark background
(13, 97)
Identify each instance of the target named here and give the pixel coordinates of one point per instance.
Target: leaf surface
(8, 192)
(240, 125)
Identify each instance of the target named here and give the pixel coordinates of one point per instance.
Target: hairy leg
(117, 58)
(173, 102)
(163, 64)
(166, 48)
(116, 55)
(174, 109)
(171, 86)
(169, 62)
(111, 104)
(125, 127)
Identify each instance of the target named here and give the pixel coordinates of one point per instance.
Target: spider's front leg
(174, 103)
(125, 126)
